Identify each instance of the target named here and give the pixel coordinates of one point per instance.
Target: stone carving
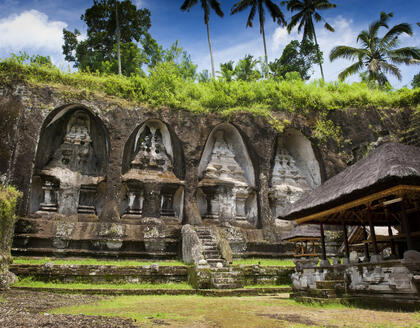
(288, 183)
(222, 164)
(224, 184)
(69, 180)
(150, 181)
(151, 154)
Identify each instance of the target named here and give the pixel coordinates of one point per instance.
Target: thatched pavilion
(382, 189)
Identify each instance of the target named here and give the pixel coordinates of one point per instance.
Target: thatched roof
(301, 232)
(389, 165)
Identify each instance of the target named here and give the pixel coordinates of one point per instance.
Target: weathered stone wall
(102, 274)
(25, 111)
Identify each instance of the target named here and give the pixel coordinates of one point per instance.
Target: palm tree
(378, 55)
(307, 11)
(273, 9)
(206, 4)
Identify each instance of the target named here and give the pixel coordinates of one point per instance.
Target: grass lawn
(264, 262)
(262, 311)
(91, 261)
(29, 282)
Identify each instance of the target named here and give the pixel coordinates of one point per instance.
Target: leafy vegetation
(264, 262)
(8, 200)
(91, 261)
(31, 282)
(267, 286)
(307, 12)
(165, 87)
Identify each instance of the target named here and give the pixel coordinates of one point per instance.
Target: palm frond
(275, 12)
(317, 17)
(240, 6)
(321, 5)
(346, 52)
(251, 15)
(352, 69)
(186, 6)
(396, 31)
(215, 5)
(329, 27)
(390, 69)
(406, 55)
(294, 21)
(206, 10)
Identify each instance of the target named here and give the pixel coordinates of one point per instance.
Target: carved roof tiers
(167, 177)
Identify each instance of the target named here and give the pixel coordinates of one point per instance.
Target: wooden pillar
(390, 234)
(406, 225)
(365, 235)
(324, 252)
(372, 232)
(346, 240)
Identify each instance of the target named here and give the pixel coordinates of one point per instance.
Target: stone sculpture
(224, 183)
(288, 183)
(150, 181)
(70, 179)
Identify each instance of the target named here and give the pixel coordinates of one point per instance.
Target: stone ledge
(201, 292)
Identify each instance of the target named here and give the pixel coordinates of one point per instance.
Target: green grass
(163, 87)
(31, 282)
(262, 311)
(91, 261)
(264, 262)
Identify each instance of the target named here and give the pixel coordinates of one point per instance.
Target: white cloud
(31, 29)
(140, 3)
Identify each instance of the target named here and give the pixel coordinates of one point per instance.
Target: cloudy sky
(36, 26)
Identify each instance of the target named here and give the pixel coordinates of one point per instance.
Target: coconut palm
(273, 9)
(307, 11)
(206, 4)
(378, 55)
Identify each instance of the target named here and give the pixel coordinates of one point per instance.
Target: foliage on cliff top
(164, 87)
(8, 200)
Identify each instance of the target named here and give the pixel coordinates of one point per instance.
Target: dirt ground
(35, 309)
(29, 309)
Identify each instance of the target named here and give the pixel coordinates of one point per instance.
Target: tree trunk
(211, 51)
(118, 38)
(265, 53)
(319, 58)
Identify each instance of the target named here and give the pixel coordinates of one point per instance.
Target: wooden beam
(366, 245)
(346, 240)
(397, 190)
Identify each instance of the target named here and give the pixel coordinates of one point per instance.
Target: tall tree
(227, 71)
(246, 69)
(103, 32)
(274, 10)
(378, 55)
(307, 11)
(206, 5)
(296, 57)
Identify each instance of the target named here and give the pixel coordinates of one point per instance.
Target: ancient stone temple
(292, 175)
(227, 189)
(69, 172)
(153, 190)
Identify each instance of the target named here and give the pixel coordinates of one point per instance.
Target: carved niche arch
(70, 164)
(295, 170)
(153, 169)
(227, 178)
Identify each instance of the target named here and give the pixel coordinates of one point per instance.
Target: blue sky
(36, 25)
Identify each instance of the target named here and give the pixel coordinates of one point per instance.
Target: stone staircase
(223, 275)
(210, 250)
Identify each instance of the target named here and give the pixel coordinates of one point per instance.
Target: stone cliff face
(114, 162)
